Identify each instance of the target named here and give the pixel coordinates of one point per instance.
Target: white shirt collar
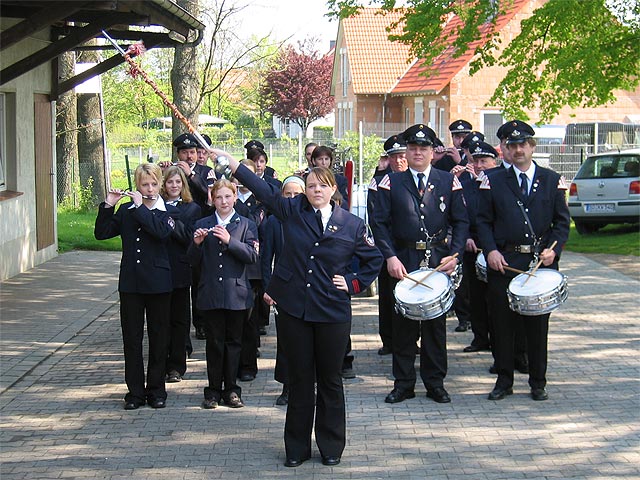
(415, 173)
(325, 212)
(227, 220)
(158, 205)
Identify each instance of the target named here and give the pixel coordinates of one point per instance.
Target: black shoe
(295, 462)
(396, 395)
(283, 399)
(234, 401)
(262, 330)
(463, 327)
(200, 333)
(499, 393)
(209, 403)
(247, 377)
(173, 377)
(384, 350)
(438, 394)
(522, 367)
(157, 403)
(348, 373)
(493, 369)
(330, 461)
(475, 348)
(132, 404)
(539, 394)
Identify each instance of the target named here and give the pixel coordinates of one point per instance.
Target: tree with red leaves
(297, 87)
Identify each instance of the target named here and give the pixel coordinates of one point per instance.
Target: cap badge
(515, 133)
(460, 127)
(420, 134)
(396, 145)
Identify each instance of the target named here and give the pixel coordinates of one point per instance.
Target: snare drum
(423, 303)
(481, 267)
(541, 294)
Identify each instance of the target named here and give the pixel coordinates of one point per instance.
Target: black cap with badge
(473, 137)
(517, 131)
(207, 139)
(395, 144)
(460, 126)
(420, 134)
(483, 149)
(186, 140)
(253, 144)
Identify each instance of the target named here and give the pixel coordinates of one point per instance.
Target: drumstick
(437, 269)
(511, 269)
(418, 282)
(555, 242)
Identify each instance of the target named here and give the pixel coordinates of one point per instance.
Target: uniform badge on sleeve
(171, 223)
(373, 185)
(456, 184)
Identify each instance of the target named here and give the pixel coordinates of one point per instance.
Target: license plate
(600, 207)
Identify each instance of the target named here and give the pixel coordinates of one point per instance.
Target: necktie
(524, 187)
(421, 185)
(319, 218)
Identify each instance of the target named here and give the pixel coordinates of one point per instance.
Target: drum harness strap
(536, 240)
(429, 238)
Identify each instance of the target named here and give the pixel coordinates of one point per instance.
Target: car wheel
(584, 228)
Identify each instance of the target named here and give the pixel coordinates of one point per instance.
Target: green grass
(612, 239)
(75, 232)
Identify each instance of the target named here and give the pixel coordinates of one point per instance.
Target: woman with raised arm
(312, 286)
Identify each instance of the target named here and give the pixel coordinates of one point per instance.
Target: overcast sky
(298, 19)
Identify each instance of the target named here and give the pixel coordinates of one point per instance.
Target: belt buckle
(421, 245)
(525, 248)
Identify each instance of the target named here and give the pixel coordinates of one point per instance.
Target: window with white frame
(3, 143)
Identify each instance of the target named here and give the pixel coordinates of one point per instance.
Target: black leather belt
(520, 248)
(420, 244)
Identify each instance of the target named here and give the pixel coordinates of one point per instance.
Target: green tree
(569, 52)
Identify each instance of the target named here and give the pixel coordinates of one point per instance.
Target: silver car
(606, 190)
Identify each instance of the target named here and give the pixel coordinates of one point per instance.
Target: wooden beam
(54, 49)
(98, 69)
(37, 22)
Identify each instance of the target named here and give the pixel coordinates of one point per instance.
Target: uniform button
(310, 271)
(137, 261)
(308, 285)
(219, 279)
(312, 257)
(137, 239)
(316, 244)
(138, 250)
(422, 205)
(219, 242)
(421, 217)
(525, 223)
(526, 235)
(220, 254)
(139, 229)
(526, 210)
(421, 229)
(220, 266)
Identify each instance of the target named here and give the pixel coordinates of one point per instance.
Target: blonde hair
(324, 175)
(223, 182)
(185, 193)
(147, 169)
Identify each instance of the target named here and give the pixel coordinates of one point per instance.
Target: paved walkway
(62, 384)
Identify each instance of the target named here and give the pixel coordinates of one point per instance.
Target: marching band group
(441, 219)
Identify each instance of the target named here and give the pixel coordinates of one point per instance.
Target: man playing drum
(525, 214)
(414, 212)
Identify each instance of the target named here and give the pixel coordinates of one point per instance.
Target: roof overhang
(73, 23)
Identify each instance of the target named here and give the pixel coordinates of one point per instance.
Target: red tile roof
(445, 67)
(376, 63)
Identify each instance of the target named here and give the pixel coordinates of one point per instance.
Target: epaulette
(485, 185)
(385, 183)
(373, 185)
(456, 184)
(562, 184)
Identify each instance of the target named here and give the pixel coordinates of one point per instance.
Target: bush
(82, 199)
